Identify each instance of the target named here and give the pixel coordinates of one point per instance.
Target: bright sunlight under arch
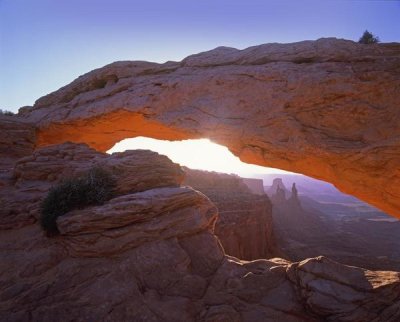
(196, 154)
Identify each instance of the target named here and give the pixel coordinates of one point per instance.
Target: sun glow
(196, 154)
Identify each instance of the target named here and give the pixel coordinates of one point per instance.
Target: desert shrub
(368, 38)
(5, 112)
(93, 188)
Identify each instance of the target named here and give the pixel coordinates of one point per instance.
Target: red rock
(345, 293)
(255, 185)
(33, 175)
(152, 256)
(135, 173)
(135, 218)
(17, 138)
(244, 225)
(278, 189)
(326, 108)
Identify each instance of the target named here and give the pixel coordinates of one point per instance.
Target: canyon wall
(17, 139)
(150, 254)
(326, 108)
(329, 223)
(244, 225)
(256, 186)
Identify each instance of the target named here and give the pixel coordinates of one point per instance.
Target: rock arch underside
(328, 109)
(167, 245)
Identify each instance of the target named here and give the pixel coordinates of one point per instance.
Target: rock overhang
(327, 109)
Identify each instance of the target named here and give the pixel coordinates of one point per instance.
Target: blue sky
(45, 44)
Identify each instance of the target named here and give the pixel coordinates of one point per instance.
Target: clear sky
(45, 44)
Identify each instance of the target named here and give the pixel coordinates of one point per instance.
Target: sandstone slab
(326, 108)
(152, 255)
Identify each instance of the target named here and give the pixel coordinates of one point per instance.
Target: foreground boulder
(150, 254)
(326, 108)
(344, 293)
(26, 184)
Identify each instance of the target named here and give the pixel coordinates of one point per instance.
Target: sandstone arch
(328, 109)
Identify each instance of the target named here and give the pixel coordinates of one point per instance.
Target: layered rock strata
(244, 225)
(256, 186)
(17, 139)
(150, 254)
(326, 108)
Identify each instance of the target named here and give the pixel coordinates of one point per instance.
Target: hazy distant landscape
(334, 224)
(154, 161)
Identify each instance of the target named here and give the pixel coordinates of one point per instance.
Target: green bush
(93, 188)
(368, 38)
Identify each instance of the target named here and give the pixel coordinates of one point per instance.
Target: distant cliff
(290, 220)
(255, 185)
(150, 252)
(277, 184)
(244, 226)
(304, 226)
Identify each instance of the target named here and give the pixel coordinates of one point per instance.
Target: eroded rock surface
(150, 254)
(336, 226)
(256, 186)
(32, 176)
(326, 108)
(346, 293)
(17, 139)
(244, 225)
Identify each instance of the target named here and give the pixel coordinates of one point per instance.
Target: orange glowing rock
(328, 109)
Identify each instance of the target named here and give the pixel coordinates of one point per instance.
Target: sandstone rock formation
(295, 228)
(277, 183)
(294, 197)
(281, 196)
(256, 186)
(17, 139)
(323, 284)
(28, 181)
(244, 224)
(150, 254)
(326, 222)
(325, 108)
